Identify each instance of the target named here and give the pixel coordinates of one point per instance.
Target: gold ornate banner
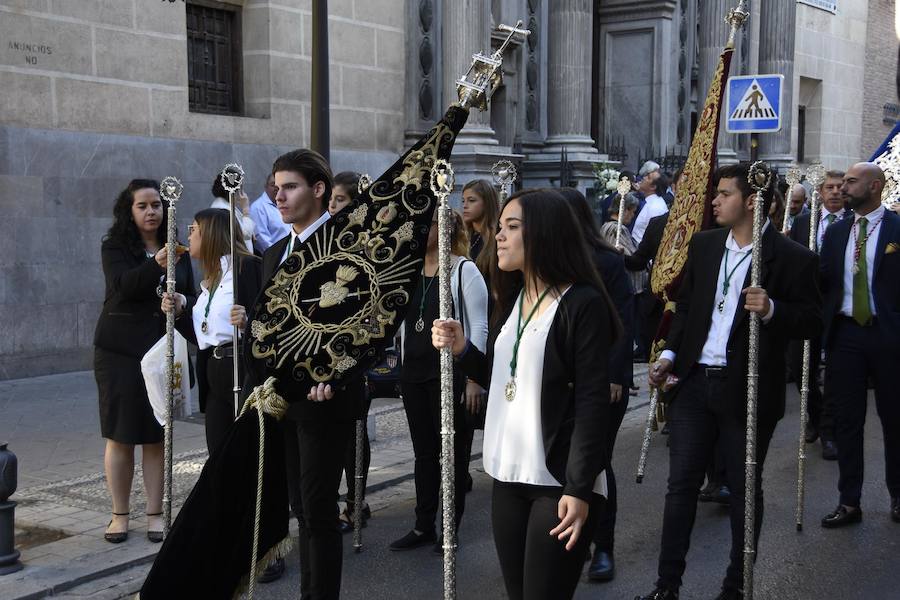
(690, 212)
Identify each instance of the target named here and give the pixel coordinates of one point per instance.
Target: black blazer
(885, 280)
(788, 274)
(800, 230)
(611, 267)
(349, 399)
(574, 390)
(649, 246)
(131, 320)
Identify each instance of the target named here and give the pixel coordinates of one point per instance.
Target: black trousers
(219, 396)
(856, 353)
(535, 565)
(819, 417)
(350, 456)
(696, 414)
(604, 532)
(422, 402)
(314, 455)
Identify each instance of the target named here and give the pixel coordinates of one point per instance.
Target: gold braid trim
(266, 401)
(279, 550)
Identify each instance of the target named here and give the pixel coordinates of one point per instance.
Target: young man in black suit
(820, 409)
(708, 351)
(316, 432)
(860, 272)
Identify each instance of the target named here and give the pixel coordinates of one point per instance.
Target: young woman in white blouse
(421, 384)
(210, 323)
(546, 368)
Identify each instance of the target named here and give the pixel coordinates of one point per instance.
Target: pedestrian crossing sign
(754, 103)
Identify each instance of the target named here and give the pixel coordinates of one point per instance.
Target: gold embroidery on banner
(686, 216)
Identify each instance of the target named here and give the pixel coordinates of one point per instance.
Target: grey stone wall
(880, 76)
(95, 94)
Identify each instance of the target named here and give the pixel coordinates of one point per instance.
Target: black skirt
(125, 413)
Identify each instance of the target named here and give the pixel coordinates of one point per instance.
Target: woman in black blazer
(547, 369)
(611, 266)
(134, 265)
(209, 323)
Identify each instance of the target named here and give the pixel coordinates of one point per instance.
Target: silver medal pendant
(204, 327)
(855, 269)
(420, 325)
(510, 390)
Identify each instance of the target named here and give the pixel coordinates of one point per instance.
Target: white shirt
(654, 206)
(823, 224)
(269, 226)
(714, 351)
(247, 226)
(513, 449)
(873, 226)
(219, 328)
(305, 234)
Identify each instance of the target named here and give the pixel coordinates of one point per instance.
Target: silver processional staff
(232, 178)
(170, 189)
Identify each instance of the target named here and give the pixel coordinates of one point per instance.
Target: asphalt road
(859, 562)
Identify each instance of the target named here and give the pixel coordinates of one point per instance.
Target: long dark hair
(585, 217)
(555, 252)
(123, 230)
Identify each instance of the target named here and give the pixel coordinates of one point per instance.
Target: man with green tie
(820, 409)
(860, 278)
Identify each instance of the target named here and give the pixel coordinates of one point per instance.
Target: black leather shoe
(603, 567)
(413, 540)
(706, 494)
(722, 496)
(895, 509)
(829, 450)
(811, 434)
(273, 571)
(841, 516)
(730, 595)
(659, 594)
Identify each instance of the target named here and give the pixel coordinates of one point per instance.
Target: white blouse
(513, 448)
(219, 328)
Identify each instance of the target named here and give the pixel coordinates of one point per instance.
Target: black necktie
(296, 244)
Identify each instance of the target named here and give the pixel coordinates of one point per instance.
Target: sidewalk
(51, 423)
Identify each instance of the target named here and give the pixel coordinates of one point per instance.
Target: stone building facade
(96, 92)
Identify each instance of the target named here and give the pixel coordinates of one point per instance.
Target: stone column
(778, 23)
(569, 91)
(569, 75)
(713, 37)
(466, 30)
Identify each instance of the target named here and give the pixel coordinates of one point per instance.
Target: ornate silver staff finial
(791, 177)
(815, 175)
(364, 182)
(504, 173)
(232, 177)
(170, 189)
(442, 178)
(760, 177)
(736, 18)
(485, 74)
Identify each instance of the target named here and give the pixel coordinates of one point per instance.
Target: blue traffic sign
(753, 103)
